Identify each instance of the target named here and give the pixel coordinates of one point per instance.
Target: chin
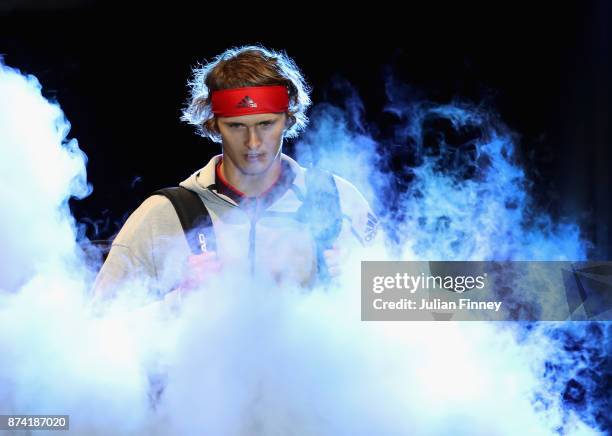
(259, 166)
(254, 169)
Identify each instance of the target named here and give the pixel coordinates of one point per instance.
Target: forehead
(252, 118)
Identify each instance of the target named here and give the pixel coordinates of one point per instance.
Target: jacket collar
(205, 178)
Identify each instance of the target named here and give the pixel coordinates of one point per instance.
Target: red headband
(251, 100)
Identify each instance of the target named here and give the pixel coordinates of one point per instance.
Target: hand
(201, 267)
(334, 257)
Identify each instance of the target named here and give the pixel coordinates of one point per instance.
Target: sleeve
(360, 224)
(132, 258)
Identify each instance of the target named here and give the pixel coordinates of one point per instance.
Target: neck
(251, 185)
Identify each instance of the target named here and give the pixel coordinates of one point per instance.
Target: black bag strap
(321, 210)
(194, 217)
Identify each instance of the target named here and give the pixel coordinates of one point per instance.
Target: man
(249, 99)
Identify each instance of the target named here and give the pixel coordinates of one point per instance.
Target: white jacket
(151, 246)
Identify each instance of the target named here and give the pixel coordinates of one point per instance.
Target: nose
(253, 140)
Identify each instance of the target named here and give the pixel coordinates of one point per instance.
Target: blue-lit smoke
(467, 197)
(254, 360)
(57, 173)
(466, 187)
(53, 355)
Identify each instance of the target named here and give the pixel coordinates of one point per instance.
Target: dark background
(120, 76)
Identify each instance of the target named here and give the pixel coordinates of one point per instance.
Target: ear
(213, 125)
(290, 121)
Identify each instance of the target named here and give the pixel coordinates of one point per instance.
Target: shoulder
(153, 206)
(154, 213)
(152, 209)
(355, 206)
(350, 197)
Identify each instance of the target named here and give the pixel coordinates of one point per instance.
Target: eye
(235, 126)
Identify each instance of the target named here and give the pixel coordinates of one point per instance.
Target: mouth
(253, 156)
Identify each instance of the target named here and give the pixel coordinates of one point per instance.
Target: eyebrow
(242, 124)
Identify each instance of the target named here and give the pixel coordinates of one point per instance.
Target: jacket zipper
(253, 221)
(252, 245)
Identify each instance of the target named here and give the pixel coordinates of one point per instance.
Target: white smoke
(243, 357)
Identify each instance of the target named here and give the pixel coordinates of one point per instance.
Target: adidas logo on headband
(246, 102)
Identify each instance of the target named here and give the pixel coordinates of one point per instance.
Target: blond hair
(241, 67)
